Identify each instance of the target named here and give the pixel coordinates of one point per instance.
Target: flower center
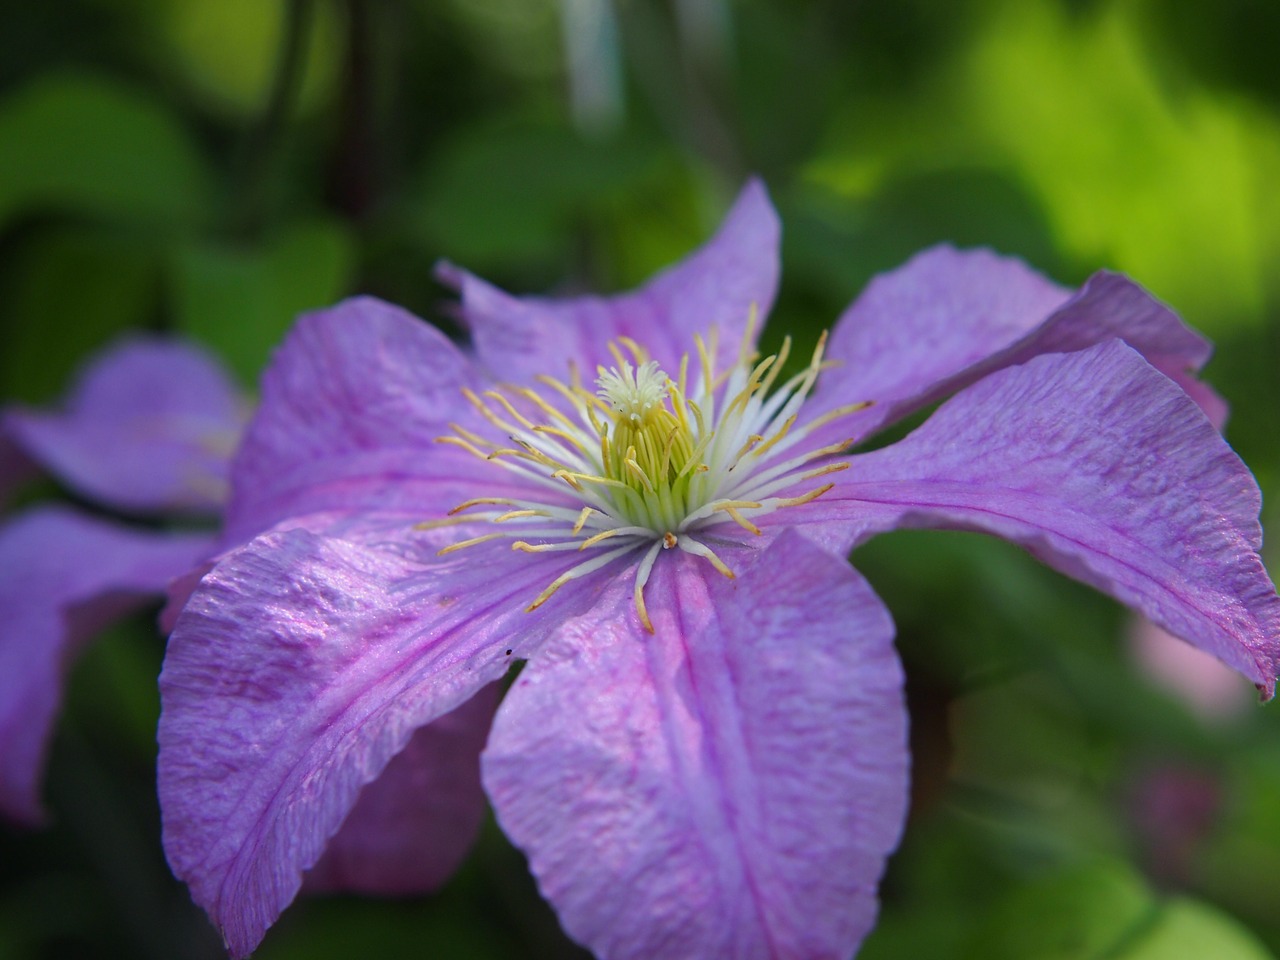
(646, 463)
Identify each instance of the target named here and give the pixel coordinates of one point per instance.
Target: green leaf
(1190, 930)
(229, 50)
(87, 145)
(516, 190)
(1079, 914)
(241, 300)
(69, 291)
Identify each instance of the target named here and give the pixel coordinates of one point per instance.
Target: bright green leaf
(1191, 930)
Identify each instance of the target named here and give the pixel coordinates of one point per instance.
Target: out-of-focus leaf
(1136, 166)
(1080, 914)
(229, 49)
(69, 291)
(347, 927)
(1239, 864)
(1170, 189)
(240, 299)
(89, 145)
(1191, 930)
(515, 191)
(112, 688)
(840, 242)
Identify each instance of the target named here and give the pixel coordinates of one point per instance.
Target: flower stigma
(645, 463)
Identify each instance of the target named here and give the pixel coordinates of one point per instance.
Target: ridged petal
(1101, 467)
(351, 407)
(297, 670)
(948, 317)
(727, 787)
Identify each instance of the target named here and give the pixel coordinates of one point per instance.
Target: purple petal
(947, 318)
(728, 787)
(414, 825)
(298, 669)
(350, 411)
(150, 426)
(1103, 468)
(719, 285)
(16, 468)
(63, 576)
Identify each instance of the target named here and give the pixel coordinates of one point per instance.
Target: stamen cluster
(645, 463)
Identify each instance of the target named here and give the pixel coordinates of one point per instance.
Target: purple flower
(148, 429)
(705, 754)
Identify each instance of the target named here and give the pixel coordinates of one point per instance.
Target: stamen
(582, 520)
(689, 545)
(575, 573)
(454, 547)
(645, 463)
(642, 577)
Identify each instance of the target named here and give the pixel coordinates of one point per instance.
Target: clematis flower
(148, 429)
(704, 754)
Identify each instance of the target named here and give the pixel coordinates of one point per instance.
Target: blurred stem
(353, 186)
(263, 145)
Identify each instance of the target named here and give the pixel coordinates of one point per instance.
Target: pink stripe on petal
(727, 787)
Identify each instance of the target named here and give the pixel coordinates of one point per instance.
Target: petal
(414, 825)
(16, 468)
(728, 787)
(150, 426)
(350, 411)
(63, 576)
(1104, 469)
(718, 286)
(297, 670)
(948, 317)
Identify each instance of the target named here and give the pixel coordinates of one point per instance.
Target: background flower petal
(350, 411)
(718, 285)
(1101, 467)
(16, 467)
(63, 576)
(415, 824)
(729, 786)
(149, 427)
(297, 670)
(948, 317)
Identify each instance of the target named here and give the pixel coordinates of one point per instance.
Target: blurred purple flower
(705, 755)
(148, 429)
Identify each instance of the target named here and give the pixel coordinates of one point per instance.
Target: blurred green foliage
(215, 167)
